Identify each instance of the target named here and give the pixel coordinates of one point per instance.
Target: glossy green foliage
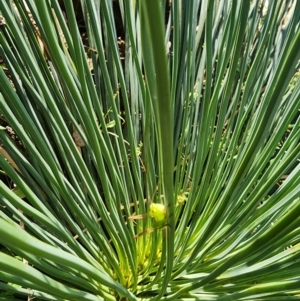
(185, 112)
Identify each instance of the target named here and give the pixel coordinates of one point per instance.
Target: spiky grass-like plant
(195, 108)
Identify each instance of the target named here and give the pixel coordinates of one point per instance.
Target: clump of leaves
(162, 164)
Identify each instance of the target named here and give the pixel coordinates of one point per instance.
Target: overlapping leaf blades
(218, 144)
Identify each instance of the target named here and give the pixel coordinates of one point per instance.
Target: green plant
(208, 126)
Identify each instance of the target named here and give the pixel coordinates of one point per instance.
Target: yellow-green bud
(158, 212)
